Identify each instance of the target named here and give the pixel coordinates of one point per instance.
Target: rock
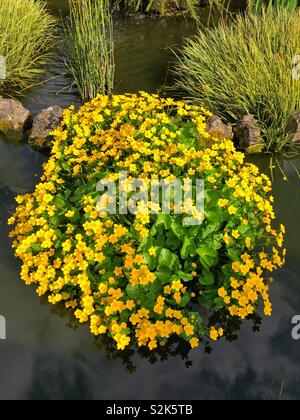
(45, 122)
(216, 127)
(293, 126)
(14, 119)
(249, 134)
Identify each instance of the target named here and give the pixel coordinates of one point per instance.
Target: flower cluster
(147, 277)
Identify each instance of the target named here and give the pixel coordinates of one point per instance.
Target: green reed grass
(89, 32)
(163, 7)
(245, 65)
(26, 36)
(256, 5)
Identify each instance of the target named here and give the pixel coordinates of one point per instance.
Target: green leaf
(188, 248)
(125, 331)
(185, 300)
(178, 230)
(54, 220)
(167, 258)
(219, 303)
(214, 215)
(173, 243)
(233, 254)
(164, 220)
(132, 291)
(155, 288)
(184, 276)
(159, 240)
(60, 202)
(66, 167)
(244, 229)
(214, 243)
(36, 247)
(150, 260)
(208, 256)
(164, 274)
(210, 229)
(59, 233)
(67, 194)
(206, 278)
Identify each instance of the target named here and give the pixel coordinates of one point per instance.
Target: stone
(43, 123)
(216, 128)
(293, 126)
(15, 120)
(248, 133)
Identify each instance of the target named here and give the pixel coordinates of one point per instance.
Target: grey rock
(293, 126)
(216, 127)
(45, 122)
(248, 133)
(14, 119)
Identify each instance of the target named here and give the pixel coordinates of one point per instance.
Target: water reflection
(175, 347)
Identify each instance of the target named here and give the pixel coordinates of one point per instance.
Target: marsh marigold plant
(147, 277)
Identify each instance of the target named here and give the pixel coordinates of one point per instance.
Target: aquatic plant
(90, 46)
(244, 65)
(257, 5)
(27, 32)
(161, 7)
(147, 275)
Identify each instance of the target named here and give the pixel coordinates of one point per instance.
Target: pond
(46, 357)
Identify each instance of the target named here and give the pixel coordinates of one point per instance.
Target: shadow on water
(42, 359)
(175, 347)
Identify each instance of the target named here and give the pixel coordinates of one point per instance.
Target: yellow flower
(177, 297)
(223, 202)
(167, 290)
(248, 242)
(177, 285)
(214, 334)
(222, 292)
(130, 304)
(169, 313)
(102, 288)
(234, 283)
(153, 251)
(152, 344)
(235, 234)
(232, 210)
(189, 330)
(226, 238)
(194, 342)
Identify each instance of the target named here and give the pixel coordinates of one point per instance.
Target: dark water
(43, 358)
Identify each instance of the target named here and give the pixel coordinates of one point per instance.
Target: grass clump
(90, 46)
(245, 65)
(26, 37)
(162, 7)
(288, 4)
